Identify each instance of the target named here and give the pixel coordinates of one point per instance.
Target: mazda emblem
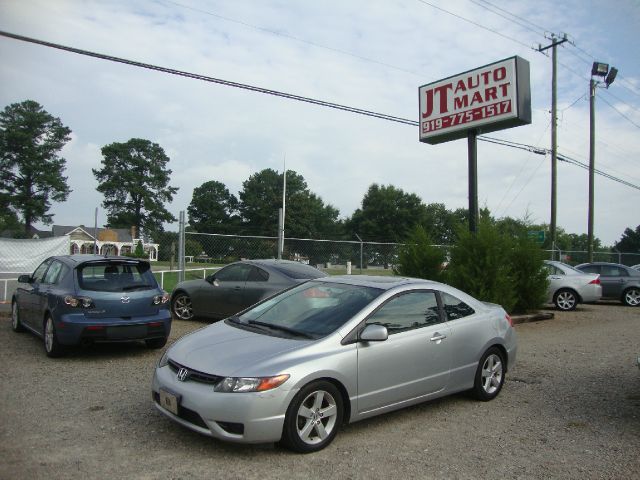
(125, 299)
(183, 374)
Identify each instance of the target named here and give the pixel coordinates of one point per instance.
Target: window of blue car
(55, 273)
(311, 309)
(407, 311)
(613, 271)
(115, 277)
(38, 275)
(455, 308)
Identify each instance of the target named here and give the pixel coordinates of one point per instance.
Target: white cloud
(212, 132)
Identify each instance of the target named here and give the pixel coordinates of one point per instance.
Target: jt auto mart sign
(490, 98)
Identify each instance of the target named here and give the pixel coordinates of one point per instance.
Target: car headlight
(164, 359)
(250, 384)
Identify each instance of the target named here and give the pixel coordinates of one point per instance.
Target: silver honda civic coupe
(333, 350)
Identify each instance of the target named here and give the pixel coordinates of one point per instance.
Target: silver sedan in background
(334, 350)
(569, 286)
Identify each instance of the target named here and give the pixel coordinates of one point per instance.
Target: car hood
(220, 349)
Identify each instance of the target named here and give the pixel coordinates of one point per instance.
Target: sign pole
(472, 142)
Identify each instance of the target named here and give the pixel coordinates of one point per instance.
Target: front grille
(195, 375)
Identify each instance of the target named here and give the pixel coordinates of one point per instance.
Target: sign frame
(509, 102)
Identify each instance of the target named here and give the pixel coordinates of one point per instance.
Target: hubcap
(492, 374)
(633, 297)
(316, 417)
(48, 335)
(566, 300)
(182, 307)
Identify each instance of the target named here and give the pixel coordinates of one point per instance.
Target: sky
(372, 55)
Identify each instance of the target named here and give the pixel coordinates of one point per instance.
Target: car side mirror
(24, 279)
(374, 333)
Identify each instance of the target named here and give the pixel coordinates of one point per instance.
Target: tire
(565, 300)
(156, 342)
(51, 346)
(313, 418)
(16, 325)
(631, 297)
(181, 306)
(489, 376)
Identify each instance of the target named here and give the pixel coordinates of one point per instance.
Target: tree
(388, 214)
(30, 166)
(213, 209)
(306, 215)
(419, 257)
(135, 182)
(630, 241)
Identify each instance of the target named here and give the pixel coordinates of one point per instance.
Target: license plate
(169, 401)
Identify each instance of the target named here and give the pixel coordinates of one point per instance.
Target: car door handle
(237, 288)
(437, 337)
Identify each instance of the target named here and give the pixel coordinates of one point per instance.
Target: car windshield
(310, 310)
(116, 277)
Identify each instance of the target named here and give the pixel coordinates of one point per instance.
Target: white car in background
(568, 286)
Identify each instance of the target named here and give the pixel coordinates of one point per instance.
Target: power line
(542, 29)
(276, 93)
(621, 114)
(476, 24)
(513, 18)
(205, 78)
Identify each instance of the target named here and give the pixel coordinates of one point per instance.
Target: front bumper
(256, 417)
(76, 328)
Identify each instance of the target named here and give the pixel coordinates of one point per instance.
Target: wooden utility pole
(555, 41)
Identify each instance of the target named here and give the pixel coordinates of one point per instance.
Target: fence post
(181, 240)
(358, 236)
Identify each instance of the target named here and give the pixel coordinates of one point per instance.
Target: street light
(598, 69)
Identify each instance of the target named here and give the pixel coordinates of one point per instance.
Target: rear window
(298, 270)
(115, 277)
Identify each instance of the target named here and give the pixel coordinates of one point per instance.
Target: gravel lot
(570, 409)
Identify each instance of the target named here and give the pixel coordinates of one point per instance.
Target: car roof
(380, 282)
(601, 263)
(79, 259)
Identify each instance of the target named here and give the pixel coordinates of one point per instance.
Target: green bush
(480, 265)
(419, 258)
(499, 268)
(530, 276)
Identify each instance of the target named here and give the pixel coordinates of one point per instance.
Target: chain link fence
(327, 254)
(576, 257)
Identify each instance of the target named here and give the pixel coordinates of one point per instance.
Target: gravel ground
(570, 409)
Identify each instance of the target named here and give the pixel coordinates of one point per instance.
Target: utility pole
(555, 41)
(602, 70)
(592, 156)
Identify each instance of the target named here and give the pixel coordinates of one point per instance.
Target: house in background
(109, 241)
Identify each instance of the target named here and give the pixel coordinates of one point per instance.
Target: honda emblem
(183, 374)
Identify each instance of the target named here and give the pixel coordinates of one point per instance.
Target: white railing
(204, 272)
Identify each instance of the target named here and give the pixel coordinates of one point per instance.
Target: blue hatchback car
(82, 299)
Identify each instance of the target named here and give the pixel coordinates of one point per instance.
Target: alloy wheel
(316, 418)
(182, 307)
(492, 374)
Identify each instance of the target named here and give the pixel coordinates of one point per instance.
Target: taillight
(75, 302)
(508, 318)
(595, 282)
(158, 299)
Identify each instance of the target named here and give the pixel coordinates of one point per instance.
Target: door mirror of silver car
(374, 333)
(216, 282)
(24, 279)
